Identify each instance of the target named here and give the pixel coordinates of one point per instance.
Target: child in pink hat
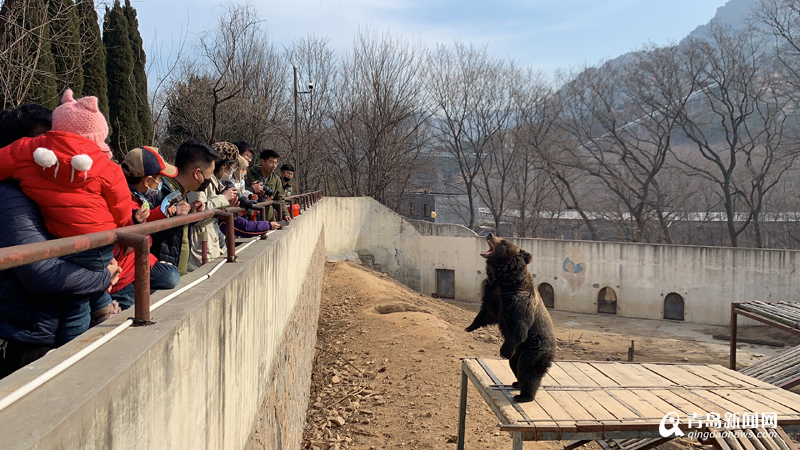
(69, 174)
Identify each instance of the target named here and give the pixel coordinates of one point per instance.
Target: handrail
(133, 236)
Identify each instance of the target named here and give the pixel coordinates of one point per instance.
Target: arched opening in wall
(673, 306)
(607, 301)
(548, 295)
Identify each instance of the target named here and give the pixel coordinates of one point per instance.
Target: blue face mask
(152, 192)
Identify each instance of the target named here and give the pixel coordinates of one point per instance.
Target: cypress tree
(93, 54)
(42, 78)
(66, 45)
(123, 111)
(139, 75)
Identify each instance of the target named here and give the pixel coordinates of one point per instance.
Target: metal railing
(137, 238)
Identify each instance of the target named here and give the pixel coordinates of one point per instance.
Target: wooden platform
(781, 315)
(588, 400)
(782, 370)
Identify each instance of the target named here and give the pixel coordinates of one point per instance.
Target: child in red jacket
(69, 174)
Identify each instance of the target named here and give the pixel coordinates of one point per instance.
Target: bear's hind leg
(513, 363)
(527, 388)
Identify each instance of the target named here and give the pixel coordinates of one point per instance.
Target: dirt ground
(387, 368)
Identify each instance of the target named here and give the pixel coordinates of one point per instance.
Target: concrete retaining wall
(641, 275)
(226, 366)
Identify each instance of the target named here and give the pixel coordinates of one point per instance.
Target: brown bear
(511, 301)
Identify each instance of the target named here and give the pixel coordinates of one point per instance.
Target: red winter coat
(127, 262)
(71, 202)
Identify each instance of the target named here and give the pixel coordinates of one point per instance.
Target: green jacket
(273, 182)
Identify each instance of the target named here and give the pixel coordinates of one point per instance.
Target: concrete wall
(228, 363)
(642, 275)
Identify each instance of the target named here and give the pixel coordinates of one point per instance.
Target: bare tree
(378, 116)
(470, 93)
(316, 63)
(738, 133)
(232, 55)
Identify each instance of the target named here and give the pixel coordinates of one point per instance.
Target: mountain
(734, 14)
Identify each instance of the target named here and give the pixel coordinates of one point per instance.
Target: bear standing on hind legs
(511, 301)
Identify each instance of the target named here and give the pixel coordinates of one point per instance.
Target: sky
(544, 34)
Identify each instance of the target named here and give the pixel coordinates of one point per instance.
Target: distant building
(419, 206)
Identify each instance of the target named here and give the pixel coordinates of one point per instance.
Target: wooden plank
(767, 441)
(751, 436)
(572, 407)
(619, 410)
(653, 379)
(786, 438)
(744, 441)
(742, 378)
(663, 405)
(597, 376)
(501, 370)
(552, 408)
(745, 402)
(786, 398)
(592, 406)
(560, 376)
(725, 405)
(619, 374)
(581, 378)
(644, 408)
(773, 405)
(681, 404)
(704, 403)
(677, 374)
(718, 378)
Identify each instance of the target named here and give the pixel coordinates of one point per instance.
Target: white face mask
(225, 177)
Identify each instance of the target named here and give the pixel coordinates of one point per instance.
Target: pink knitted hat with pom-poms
(81, 117)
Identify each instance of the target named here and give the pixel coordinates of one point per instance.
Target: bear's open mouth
(490, 251)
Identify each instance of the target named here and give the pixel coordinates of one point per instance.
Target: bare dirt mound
(387, 368)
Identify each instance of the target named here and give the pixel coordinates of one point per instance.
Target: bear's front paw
(470, 328)
(506, 351)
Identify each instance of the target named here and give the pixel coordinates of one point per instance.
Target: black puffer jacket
(28, 309)
(167, 244)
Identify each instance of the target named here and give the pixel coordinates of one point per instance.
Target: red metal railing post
(230, 233)
(141, 247)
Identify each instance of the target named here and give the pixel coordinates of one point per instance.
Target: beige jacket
(207, 229)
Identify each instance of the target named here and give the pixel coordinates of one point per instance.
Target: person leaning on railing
(195, 163)
(144, 169)
(267, 185)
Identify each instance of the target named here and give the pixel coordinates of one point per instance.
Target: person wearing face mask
(287, 174)
(214, 196)
(144, 169)
(195, 163)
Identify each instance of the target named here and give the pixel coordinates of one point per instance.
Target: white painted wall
(708, 278)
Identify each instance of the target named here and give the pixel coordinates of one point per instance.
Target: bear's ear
(527, 256)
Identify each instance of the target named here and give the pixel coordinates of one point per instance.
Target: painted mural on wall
(575, 266)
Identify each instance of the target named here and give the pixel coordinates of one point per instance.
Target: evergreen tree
(140, 75)
(28, 65)
(93, 54)
(123, 111)
(66, 45)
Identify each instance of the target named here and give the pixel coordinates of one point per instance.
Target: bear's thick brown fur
(511, 301)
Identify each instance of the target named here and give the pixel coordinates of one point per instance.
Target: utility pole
(296, 133)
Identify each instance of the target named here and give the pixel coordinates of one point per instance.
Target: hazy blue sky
(546, 34)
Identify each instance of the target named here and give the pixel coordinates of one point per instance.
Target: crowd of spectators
(58, 179)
